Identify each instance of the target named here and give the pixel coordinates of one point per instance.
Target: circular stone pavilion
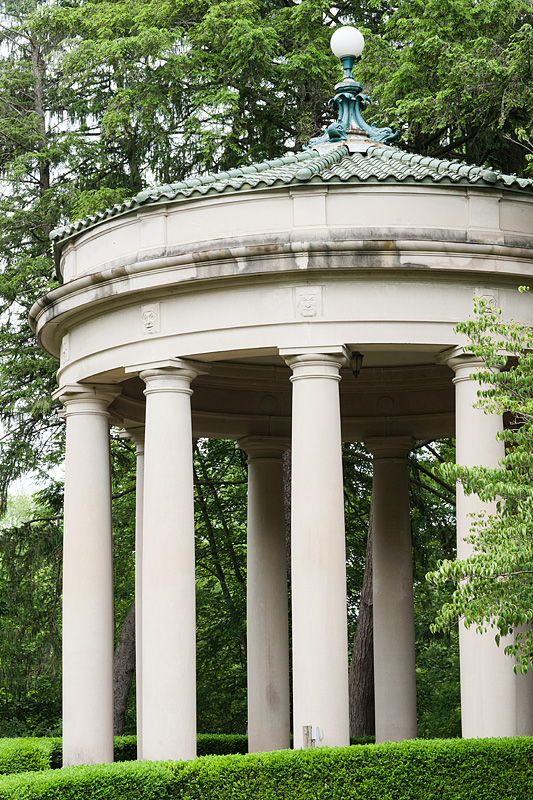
(231, 305)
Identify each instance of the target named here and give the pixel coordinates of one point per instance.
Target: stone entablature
(195, 232)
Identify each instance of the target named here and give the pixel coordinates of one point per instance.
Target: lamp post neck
(347, 65)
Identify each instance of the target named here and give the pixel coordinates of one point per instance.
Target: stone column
(168, 587)
(87, 577)
(136, 434)
(266, 597)
(488, 684)
(394, 623)
(319, 632)
(524, 700)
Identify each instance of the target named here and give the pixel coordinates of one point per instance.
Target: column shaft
(168, 587)
(87, 582)
(524, 700)
(137, 436)
(319, 631)
(488, 684)
(266, 598)
(139, 503)
(394, 627)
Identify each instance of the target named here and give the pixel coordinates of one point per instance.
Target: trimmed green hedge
(122, 781)
(208, 744)
(32, 754)
(125, 748)
(29, 755)
(362, 739)
(480, 769)
(221, 744)
(497, 769)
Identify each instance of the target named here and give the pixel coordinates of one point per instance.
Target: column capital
(458, 358)
(136, 435)
(389, 447)
(263, 447)
(316, 362)
(86, 398)
(170, 375)
(463, 363)
(169, 366)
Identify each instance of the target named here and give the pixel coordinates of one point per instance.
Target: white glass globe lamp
(347, 41)
(347, 44)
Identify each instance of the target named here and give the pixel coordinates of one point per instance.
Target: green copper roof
(332, 163)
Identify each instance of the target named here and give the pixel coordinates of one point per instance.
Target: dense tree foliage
(456, 77)
(220, 489)
(30, 613)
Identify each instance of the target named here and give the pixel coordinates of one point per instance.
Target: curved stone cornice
(277, 257)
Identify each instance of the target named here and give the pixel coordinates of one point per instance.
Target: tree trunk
(361, 681)
(123, 670)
